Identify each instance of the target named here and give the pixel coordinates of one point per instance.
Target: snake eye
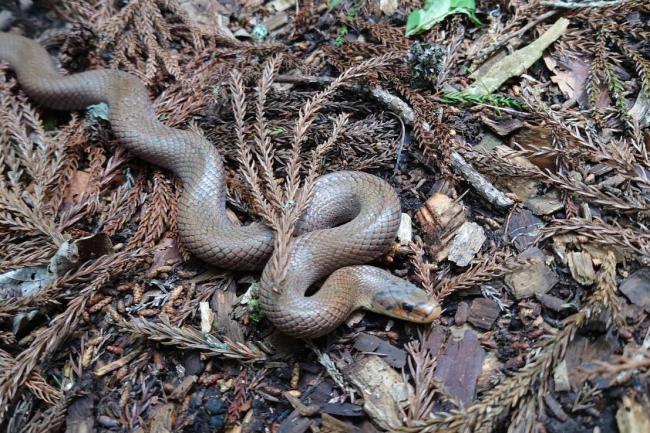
(408, 307)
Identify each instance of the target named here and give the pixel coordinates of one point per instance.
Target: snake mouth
(418, 309)
(424, 312)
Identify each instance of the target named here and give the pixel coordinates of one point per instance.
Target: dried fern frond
(141, 37)
(189, 338)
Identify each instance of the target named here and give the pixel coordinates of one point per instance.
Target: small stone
(462, 313)
(217, 422)
(467, 242)
(215, 406)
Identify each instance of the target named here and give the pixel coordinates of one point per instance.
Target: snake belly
(352, 219)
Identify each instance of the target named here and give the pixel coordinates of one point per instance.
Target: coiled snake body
(352, 219)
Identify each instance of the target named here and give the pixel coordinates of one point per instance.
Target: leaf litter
(546, 315)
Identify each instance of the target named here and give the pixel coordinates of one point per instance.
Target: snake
(352, 218)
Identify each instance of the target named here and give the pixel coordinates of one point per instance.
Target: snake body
(352, 219)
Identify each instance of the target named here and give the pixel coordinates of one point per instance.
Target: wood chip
(636, 288)
(466, 243)
(534, 278)
(163, 419)
(459, 367)
(581, 267)
(394, 356)
(483, 313)
(382, 389)
(546, 204)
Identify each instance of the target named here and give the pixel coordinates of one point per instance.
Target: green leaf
(435, 11)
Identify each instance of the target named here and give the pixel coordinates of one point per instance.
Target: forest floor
(515, 132)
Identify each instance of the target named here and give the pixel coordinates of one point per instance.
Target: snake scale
(352, 219)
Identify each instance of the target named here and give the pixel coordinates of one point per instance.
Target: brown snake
(352, 219)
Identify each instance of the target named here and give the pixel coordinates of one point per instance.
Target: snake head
(407, 303)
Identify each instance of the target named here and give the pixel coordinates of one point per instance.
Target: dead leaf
(78, 185)
(571, 76)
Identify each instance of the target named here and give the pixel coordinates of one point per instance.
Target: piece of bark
(382, 389)
(394, 356)
(163, 419)
(466, 243)
(459, 367)
(636, 288)
(295, 423)
(183, 388)
(435, 340)
(343, 409)
(581, 267)
(523, 228)
(552, 302)
(334, 425)
(483, 313)
(534, 278)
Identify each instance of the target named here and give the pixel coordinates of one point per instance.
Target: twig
(580, 4)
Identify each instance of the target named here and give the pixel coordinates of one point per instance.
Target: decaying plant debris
(546, 329)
